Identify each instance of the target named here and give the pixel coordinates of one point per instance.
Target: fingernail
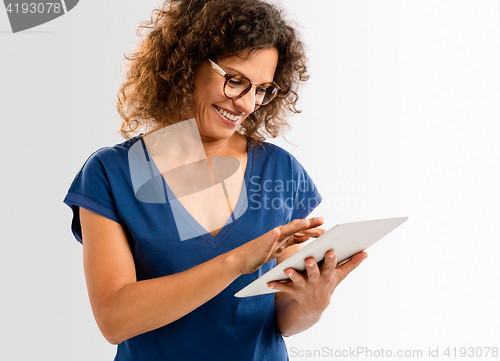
(310, 265)
(299, 234)
(289, 274)
(331, 256)
(272, 286)
(303, 223)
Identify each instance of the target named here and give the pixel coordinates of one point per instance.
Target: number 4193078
(34, 8)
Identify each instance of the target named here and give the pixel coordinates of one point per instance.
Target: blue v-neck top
(278, 190)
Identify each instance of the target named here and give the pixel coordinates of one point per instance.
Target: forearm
(290, 318)
(147, 305)
(124, 308)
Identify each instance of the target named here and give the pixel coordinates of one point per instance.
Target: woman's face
(211, 102)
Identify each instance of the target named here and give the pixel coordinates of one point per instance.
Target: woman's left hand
(313, 289)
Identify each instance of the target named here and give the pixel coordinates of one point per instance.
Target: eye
(267, 89)
(234, 82)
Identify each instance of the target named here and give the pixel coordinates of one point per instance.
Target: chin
(217, 134)
(217, 131)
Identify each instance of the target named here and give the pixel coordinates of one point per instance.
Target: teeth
(229, 116)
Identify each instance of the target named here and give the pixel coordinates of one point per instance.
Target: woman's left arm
(302, 300)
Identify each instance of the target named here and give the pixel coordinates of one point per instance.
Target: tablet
(345, 239)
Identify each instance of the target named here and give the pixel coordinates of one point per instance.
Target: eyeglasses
(237, 86)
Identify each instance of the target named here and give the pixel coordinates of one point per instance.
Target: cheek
(201, 97)
(207, 95)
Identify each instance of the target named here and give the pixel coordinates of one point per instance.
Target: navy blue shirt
(278, 190)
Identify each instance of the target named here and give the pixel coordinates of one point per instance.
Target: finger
(312, 269)
(329, 263)
(314, 223)
(273, 239)
(305, 235)
(304, 227)
(301, 237)
(299, 240)
(275, 246)
(289, 239)
(297, 225)
(296, 278)
(289, 242)
(311, 232)
(283, 286)
(281, 246)
(317, 221)
(280, 250)
(344, 269)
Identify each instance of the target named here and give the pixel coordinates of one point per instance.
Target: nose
(247, 102)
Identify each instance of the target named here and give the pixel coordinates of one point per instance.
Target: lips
(226, 114)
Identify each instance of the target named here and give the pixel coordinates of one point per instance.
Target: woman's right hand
(250, 256)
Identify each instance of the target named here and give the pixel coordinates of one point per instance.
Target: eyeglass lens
(237, 86)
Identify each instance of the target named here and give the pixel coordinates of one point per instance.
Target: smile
(231, 117)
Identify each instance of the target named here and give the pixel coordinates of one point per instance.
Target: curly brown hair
(158, 87)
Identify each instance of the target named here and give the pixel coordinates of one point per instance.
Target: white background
(400, 118)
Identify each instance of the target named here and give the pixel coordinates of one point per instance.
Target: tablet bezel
(345, 239)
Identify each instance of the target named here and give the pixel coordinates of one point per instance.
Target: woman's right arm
(124, 307)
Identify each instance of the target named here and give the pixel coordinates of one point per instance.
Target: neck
(221, 146)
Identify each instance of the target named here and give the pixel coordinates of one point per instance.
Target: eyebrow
(232, 70)
(235, 71)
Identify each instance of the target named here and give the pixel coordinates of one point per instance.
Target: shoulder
(113, 156)
(269, 149)
(271, 153)
(110, 153)
(106, 165)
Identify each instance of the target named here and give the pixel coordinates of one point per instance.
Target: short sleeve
(91, 190)
(306, 195)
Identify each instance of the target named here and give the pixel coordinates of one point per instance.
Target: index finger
(294, 226)
(298, 225)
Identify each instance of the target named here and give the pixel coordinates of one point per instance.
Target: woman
(232, 69)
